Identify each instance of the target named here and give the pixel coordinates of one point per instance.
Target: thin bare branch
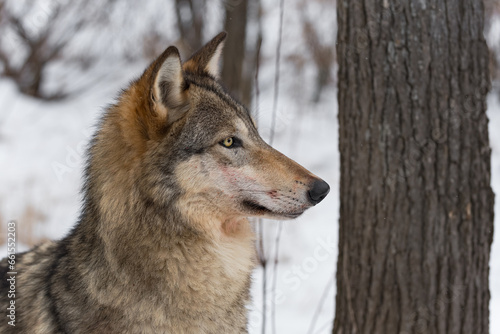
(275, 275)
(273, 128)
(327, 288)
(277, 74)
(263, 263)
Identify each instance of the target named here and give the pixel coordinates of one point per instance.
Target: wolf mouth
(256, 207)
(263, 210)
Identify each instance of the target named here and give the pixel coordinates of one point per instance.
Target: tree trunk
(190, 23)
(234, 50)
(416, 215)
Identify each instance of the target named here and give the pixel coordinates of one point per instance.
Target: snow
(308, 246)
(41, 160)
(494, 125)
(493, 112)
(42, 155)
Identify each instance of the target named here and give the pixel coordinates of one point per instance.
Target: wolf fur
(163, 244)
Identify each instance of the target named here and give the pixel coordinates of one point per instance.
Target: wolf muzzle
(318, 191)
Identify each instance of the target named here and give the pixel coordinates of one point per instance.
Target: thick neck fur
(176, 266)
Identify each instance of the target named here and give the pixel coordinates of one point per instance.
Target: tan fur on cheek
(204, 208)
(201, 201)
(192, 176)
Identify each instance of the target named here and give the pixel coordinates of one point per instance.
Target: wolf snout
(318, 191)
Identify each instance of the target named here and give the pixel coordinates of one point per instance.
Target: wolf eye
(228, 142)
(231, 142)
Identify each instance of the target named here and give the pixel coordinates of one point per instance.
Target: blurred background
(62, 62)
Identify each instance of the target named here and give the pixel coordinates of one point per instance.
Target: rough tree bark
(416, 216)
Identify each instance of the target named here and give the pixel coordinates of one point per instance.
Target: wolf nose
(318, 191)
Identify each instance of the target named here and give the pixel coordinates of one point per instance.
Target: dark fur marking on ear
(223, 95)
(165, 91)
(200, 60)
(201, 74)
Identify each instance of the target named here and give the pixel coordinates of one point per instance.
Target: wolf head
(179, 140)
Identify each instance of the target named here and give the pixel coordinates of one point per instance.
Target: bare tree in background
(491, 9)
(241, 53)
(235, 25)
(416, 212)
(190, 22)
(492, 12)
(321, 53)
(36, 35)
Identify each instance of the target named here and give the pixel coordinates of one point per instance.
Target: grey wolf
(163, 243)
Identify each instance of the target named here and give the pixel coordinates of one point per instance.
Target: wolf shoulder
(23, 287)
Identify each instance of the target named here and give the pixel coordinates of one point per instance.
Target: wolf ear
(168, 89)
(206, 60)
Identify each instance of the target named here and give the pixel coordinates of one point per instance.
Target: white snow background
(42, 151)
